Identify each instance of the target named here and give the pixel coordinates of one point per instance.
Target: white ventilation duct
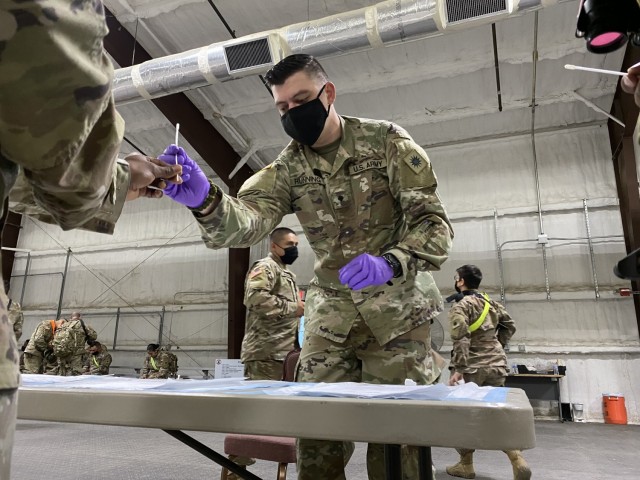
(386, 23)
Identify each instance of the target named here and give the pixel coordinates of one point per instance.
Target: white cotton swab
(568, 66)
(595, 70)
(176, 142)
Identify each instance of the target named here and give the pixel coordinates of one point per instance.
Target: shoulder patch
(255, 272)
(415, 161)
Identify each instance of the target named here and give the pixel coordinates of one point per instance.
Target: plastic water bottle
(514, 368)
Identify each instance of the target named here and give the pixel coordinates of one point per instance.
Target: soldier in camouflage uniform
(271, 298)
(273, 312)
(480, 328)
(98, 361)
(38, 355)
(69, 343)
(16, 318)
(60, 129)
(366, 196)
(157, 363)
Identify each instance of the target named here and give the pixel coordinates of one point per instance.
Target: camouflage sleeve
(461, 338)
(105, 364)
(40, 339)
(61, 128)
(241, 222)
(412, 181)
(506, 325)
(259, 296)
(145, 368)
(16, 317)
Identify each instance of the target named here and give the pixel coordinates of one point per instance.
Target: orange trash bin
(614, 409)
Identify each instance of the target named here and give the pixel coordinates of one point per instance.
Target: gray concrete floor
(58, 451)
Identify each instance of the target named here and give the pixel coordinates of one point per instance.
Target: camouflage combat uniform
(378, 195)
(16, 318)
(98, 364)
(69, 344)
(158, 367)
(480, 357)
(271, 298)
(39, 356)
(58, 122)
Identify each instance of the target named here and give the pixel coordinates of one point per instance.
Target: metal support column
(64, 281)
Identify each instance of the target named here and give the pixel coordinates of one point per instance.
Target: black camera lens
(605, 24)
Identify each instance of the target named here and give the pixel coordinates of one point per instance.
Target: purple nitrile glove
(365, 271)
(194, 187)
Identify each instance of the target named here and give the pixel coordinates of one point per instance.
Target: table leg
(213, 455)
(424, 464)
(392, 462)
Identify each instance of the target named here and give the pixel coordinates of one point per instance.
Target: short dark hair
(152, 347)
(95, 343)
(471, 275)
(279, 233)
(299, 62)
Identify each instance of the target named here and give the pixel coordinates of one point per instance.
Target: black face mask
(95, 353)
(305, 122)
(290, 255)
(455, 285)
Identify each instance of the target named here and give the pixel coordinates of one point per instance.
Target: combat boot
(464, 467)
(521, 470)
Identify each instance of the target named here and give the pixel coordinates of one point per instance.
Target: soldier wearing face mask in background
(271, 298)
(273, 311)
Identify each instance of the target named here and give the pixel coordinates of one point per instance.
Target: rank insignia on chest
(415, 162)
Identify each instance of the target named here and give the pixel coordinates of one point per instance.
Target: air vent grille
(461, 10)
(242, 56)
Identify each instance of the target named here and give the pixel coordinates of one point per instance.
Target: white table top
(502, 420)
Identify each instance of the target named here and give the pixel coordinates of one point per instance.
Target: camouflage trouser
(70, 366)
(35, 363)
(484, 377)
(8, 410)
(361, 359)
(263, 369)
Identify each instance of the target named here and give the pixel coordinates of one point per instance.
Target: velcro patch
(255, 272)
(415, 161)
(361, 166)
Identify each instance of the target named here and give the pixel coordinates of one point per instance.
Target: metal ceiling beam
(624, 164)
(211, 146)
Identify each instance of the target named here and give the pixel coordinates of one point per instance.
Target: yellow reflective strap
(476, 325)
(95, 362)
(153, 363)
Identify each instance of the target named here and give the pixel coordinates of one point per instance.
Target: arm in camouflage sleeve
(105, 364)
(241, 222)
(40, 338)
(258, 296)
(461, 338)
(412, 181)
(61, 128)
(506, 325)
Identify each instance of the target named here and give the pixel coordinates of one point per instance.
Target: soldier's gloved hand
(194, 188)
(365, 271)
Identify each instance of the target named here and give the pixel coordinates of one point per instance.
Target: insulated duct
(386, 23)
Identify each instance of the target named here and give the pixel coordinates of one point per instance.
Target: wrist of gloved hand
(365, 271)
(210, 202)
